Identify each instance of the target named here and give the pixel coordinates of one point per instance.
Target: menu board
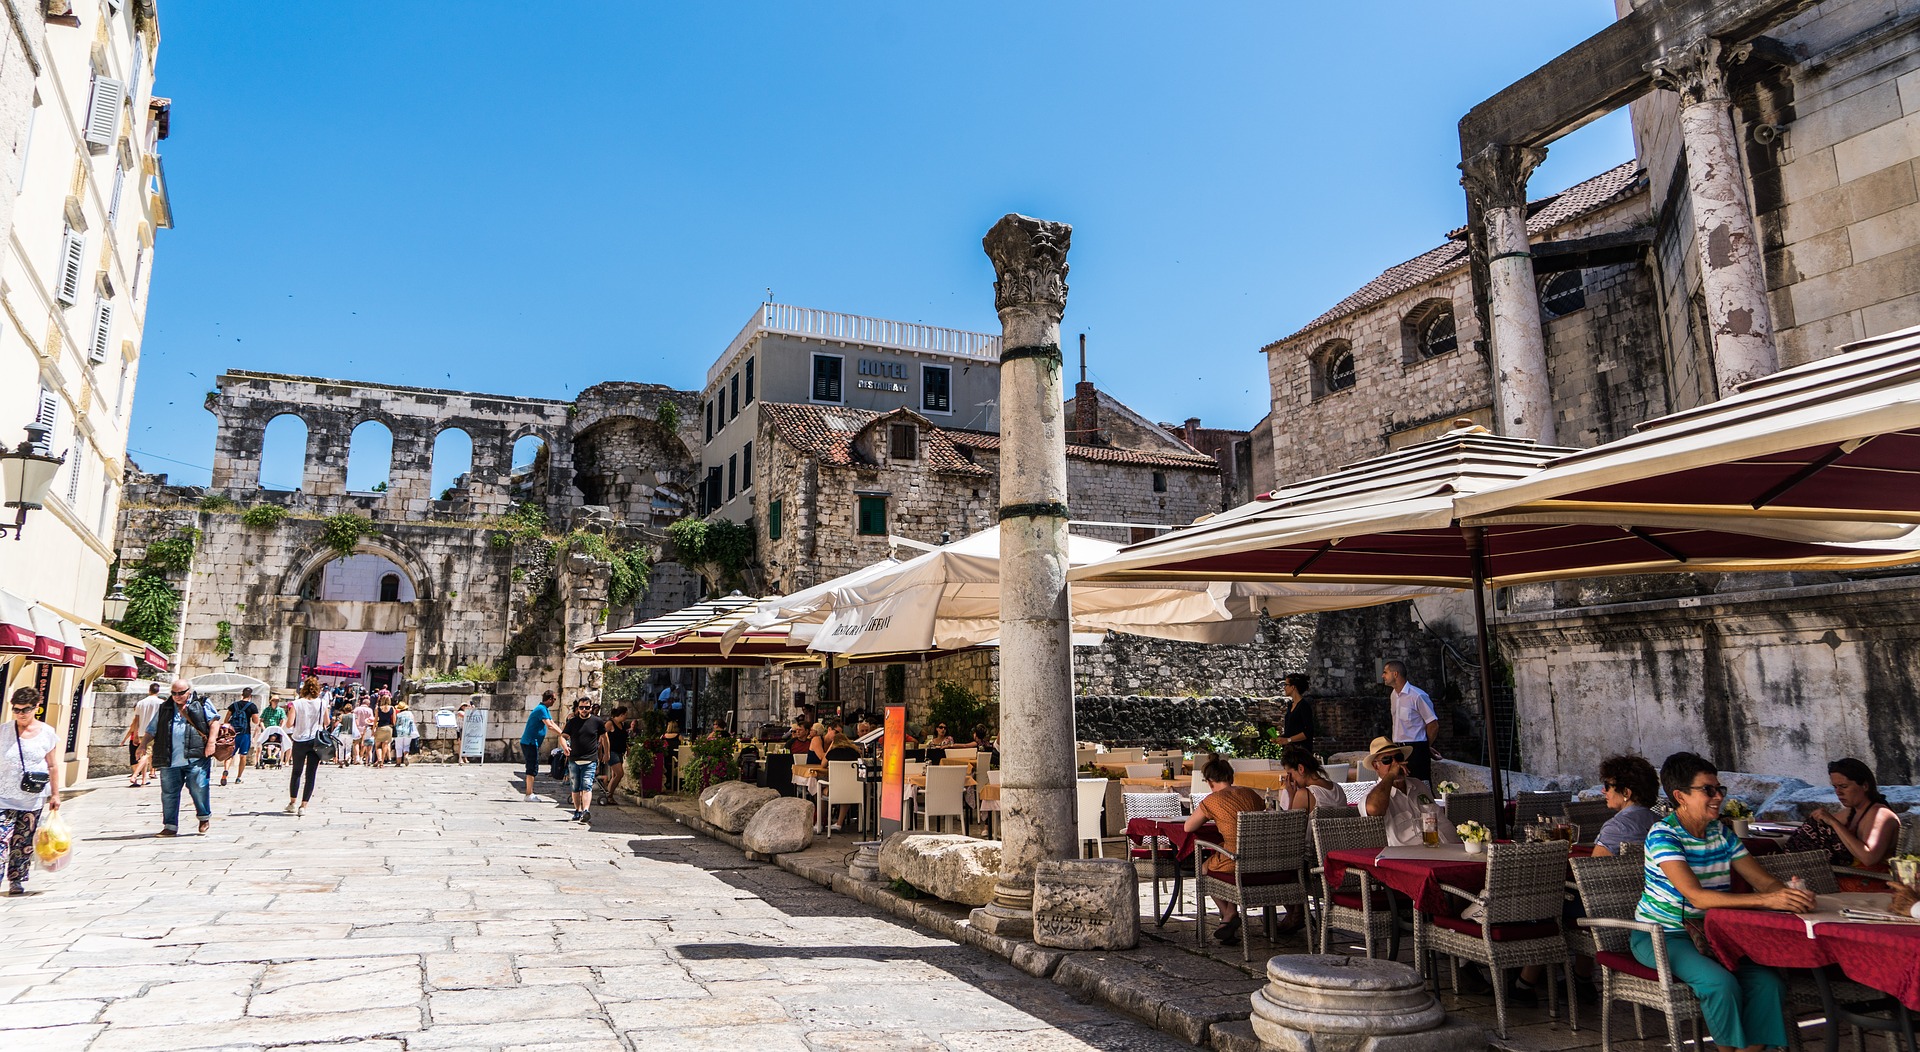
(893, 770)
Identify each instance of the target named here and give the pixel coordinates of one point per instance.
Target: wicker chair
(1472, 807)
(1358, 905)
(1586, 817)
(1153, 805)
(1529, 806)
(1519, 922)
(1610, 888)
(1269, 869)
(1356, 792)
(1803, 990)
(1812, 866)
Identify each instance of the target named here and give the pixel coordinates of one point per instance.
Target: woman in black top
(619, 735)
(1298, 725)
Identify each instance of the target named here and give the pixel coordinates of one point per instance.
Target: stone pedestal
(865, 863)
(1334, 1003)
(1086, 904)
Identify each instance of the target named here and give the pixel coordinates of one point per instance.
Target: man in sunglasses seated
(1404, 799)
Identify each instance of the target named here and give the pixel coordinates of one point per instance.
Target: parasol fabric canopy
(623, 640)
(227, 683)
(1395, 519)
(1838, 438)
(332, 668)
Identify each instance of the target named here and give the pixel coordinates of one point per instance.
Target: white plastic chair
(1248, 765)
(945, 796)
(1125, 755)
(1339, 772)
(1145, 770)
(966, 754)
(990, 809)
(1083, 757)
(843, 789)
(1092, 796)
(1198, 788)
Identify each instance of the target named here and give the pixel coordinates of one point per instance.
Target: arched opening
(1333, 368)
(369, 458)
(283, 453)
(1563, 293)
(452, 462)
(363, 577)
(1429, 331)
(619, 461)
(390, 588)
(527, 481)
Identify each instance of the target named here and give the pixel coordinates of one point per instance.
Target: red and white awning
(36, 632)
(120, 665)
(17, 635)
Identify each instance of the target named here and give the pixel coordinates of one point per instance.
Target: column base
(1009, 915)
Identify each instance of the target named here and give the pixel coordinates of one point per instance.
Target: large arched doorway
(358, 611)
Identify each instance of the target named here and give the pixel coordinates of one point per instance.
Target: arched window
(1563, 293)
(390, 588)
(283, 453)
(452, 461)
(1427, 331)
(1340, 371)
(369, 458)
(1437, 335)
(1333, 368)
(528, 474)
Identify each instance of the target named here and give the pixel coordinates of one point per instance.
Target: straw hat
(1384, 746)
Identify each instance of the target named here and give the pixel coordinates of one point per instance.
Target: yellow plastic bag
(53, 843)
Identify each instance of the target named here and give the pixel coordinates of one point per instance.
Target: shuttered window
(709, 421)
(936, 389)
(746, 466)
(749, 372)
(733, 475)
(113, 202)
(873, 516)
(73, 481)
(103, 111)
(102, 330)
(49, 414)
(903, 442)
(826, 377)
(773, 520)
(73, 262)
(735, 396)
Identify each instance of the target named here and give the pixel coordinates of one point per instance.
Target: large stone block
(729, 805)
(955, 868)
(1086, 904)
(780, 826)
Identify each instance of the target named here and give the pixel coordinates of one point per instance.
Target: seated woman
(1632, 789)
(940, 739)
(817, 745)
(982, 742)
(1222, 807)
(840, 747)
(1863, 832)
(1307, 781)
(1691, 858)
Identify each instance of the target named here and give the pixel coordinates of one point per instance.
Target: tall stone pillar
(1523, 400)
(1036, 644)
(1733, 281)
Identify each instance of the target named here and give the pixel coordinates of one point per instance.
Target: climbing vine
(153, 604)
(631, 569)
(342, 533)
(522, 524)
(720, 550)
(263, 516)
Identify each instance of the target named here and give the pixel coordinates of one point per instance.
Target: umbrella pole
(1477, 555)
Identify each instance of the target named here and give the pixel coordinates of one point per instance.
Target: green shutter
(773, 521)
(873, 516)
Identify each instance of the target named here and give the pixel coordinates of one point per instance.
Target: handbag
(224, 744)
(34, 782)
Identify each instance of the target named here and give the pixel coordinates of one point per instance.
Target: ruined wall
(624, 459)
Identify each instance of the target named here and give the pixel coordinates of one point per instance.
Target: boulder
(780, 826)
(729, 805)
(1758, 790)
(947, 866)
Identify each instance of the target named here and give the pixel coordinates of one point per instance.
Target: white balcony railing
(854, 328)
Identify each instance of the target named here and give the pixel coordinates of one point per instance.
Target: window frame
(775, 510)
(746, 467)
(864, 503)
(926, 371)
(813, 378)
(895, 433)
(1579, 290)
(733, 475)
(748, 370)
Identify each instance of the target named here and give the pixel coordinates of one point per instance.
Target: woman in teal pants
(1691, 858)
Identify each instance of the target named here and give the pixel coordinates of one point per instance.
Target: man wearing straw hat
(1406, 801)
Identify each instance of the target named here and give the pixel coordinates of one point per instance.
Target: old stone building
(437, 582)
(1767, 217)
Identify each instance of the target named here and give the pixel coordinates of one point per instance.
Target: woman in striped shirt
(1691, 858)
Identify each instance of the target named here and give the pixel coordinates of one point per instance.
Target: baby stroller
(274, 747)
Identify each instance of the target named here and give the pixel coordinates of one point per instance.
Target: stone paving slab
(441, 911)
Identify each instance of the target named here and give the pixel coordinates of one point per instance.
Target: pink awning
(155, 660)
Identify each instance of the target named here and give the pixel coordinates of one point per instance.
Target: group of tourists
(591, 748)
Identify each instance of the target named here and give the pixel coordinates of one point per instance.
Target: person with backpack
(244, 717)
(312, 736)
(183, 733)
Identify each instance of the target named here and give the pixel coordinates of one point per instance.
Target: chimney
(1192, 425)
(1086, 404)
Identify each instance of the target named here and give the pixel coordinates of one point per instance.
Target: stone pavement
(432, 908)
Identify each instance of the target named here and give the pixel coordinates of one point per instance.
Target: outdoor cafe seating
(1270, 859)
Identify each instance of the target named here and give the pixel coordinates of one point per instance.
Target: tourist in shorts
(383, 731)
(539, 722)
(404, 733)
(244, 717)
(139, 757)
(363, 730)
(585, 741)
(619, 734)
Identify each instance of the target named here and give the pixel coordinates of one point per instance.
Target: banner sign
(893, 772)
(473, 736)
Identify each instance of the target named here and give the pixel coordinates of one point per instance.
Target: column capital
(1497, 175)
(1029, 265)
(1696, 69)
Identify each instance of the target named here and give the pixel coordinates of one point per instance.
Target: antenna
(1083, 357)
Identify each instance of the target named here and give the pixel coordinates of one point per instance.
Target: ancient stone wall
(624, 459)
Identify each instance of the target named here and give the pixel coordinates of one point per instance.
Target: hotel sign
(881, 367)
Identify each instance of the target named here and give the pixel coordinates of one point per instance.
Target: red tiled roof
(1546, 213)
(828, 432)
(1102, 454)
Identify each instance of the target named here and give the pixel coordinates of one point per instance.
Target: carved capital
(1497, 175)
(1029, 264)
(1697, 70)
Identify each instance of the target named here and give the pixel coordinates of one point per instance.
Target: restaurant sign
(893, 770)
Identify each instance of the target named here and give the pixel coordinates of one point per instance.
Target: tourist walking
(139, 758)
(244, 717)
(363, 730)
(1414, 722)
(539, 722)
(310, 717)
(383, 730)
(619, 735)
(586, 744)
(29, 783)
(183, 736)
(343, 740)
(275, 743)
(1296, 728)
(404, 733)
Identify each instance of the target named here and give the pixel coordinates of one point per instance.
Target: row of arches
(283, 456)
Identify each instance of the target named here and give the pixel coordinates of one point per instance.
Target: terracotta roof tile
(1102, 454)
(828, 432)
(1547, 213)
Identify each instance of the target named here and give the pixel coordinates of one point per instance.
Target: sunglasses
(1710, 790)
(179, 692)
(23, 708)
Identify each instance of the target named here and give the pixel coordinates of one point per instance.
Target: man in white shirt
(1414, 721)
(1401, 797)
(140, 758)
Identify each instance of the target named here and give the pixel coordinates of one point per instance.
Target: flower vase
(1475, 847)
(1739, 827)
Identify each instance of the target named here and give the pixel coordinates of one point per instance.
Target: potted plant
(1736, 815)
(1473, 836)
(1446, 789)
(1905, 868)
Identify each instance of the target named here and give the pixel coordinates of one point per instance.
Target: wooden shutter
(113, 202)
(826, 378)
(103, 111)
(749, 381)
(746, 466)
(73, 261)
(102, 330)
(936, 394)
(73, 481)
(49, 409)
(773, 520)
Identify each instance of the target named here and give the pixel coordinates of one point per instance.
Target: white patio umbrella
(227, 683)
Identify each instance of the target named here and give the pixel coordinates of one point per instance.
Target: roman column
(1732, 279)
(1523, 401)
(1036, 645)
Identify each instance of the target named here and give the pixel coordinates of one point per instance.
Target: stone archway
(369, 611)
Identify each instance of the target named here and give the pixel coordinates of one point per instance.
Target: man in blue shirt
(183, 732)
(539, 721)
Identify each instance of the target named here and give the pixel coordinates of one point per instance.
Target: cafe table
(1884, 956)
(1149, 832)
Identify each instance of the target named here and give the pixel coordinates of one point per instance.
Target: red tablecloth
(1174, 830)
(1883, 956)
(1417, 878)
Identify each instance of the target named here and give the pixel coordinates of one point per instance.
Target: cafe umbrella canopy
(1395, 520)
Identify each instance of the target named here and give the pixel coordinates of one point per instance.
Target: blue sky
(466, 196)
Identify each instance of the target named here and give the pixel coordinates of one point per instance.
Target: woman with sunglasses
(1691, 858)
(27, 760)
(1632, 788)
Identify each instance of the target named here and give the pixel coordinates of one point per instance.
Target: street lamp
(25, 476)
(114, 606)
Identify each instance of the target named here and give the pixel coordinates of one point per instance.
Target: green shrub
(223, 638)
(957, 707)
(668, 415)
(630, 571)
(172, 555)
(263, 516)
(342, 533)
(217, 502)
(720, 550)
(522, 524)
(152, 605)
